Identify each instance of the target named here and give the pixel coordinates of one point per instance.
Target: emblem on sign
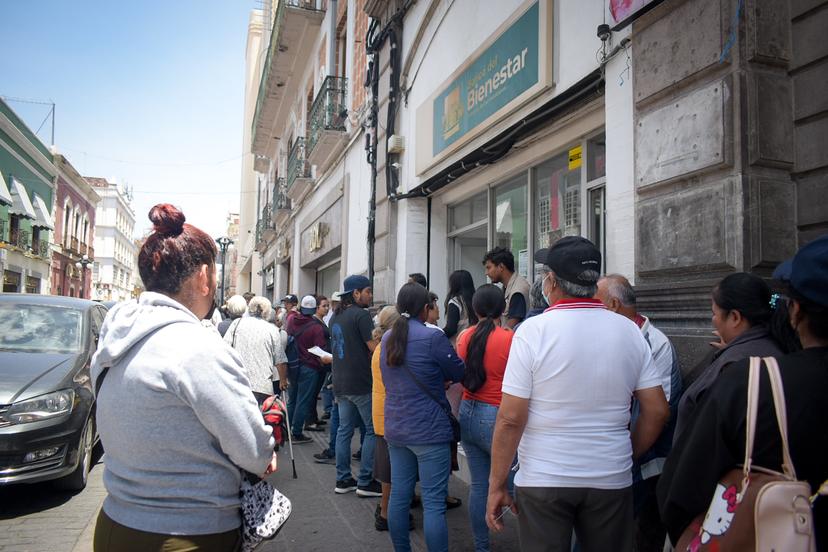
(317, 236)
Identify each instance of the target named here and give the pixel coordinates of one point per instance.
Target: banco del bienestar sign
(513, 65)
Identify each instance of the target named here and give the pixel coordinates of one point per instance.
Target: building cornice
(20, 139)
(77, 182)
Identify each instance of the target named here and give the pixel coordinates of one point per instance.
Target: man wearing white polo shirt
(571, 376)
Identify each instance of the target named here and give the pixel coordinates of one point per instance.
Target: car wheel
(76, 481)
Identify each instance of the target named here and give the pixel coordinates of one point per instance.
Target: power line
(154, 163)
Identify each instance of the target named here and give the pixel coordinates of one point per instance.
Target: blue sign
(504, 71)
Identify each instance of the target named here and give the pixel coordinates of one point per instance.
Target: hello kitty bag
(754, 508)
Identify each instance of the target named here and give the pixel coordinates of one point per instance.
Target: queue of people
(569, 406)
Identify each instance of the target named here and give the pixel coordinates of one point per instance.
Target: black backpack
(292, 352)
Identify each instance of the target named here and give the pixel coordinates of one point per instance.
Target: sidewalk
(325, 521)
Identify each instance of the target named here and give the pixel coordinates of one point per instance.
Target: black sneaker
(325, 457)
(301, 439)
(372, 489)
(357, 455)
(381, 523)
(345, 486)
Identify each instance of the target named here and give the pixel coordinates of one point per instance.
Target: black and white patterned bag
(264, 510)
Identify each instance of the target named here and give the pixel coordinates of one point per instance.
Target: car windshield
(40, 328)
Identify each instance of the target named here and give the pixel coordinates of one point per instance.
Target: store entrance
(468, 247)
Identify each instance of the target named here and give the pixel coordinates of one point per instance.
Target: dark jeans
(313, 414)
(649, 530)
(300, 393)
(602, 519)
(111, 536)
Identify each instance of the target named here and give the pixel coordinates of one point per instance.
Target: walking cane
(290, 435)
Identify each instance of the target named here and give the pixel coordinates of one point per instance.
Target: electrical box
(396, 143)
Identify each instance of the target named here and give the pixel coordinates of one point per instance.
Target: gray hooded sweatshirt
(177, 420)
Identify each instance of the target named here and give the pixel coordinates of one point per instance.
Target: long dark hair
(750, 295)
(411, 300)
(489, 304)
(461, 285)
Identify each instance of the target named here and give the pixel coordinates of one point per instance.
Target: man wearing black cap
(715, 443)
(351, 345)
(571, 375)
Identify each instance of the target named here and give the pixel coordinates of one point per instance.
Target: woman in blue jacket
(416, 361)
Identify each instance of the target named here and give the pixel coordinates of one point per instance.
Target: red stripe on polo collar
(569, 304)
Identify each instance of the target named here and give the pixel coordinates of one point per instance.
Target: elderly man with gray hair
(258, 344)
(616, 292)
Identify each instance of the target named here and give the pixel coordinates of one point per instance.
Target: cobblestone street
(35, 518)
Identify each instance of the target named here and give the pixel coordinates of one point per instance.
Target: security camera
(603, 32)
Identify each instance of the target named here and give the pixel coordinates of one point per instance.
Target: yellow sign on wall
(575, 157)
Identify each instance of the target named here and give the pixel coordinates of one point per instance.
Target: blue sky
(149, 93)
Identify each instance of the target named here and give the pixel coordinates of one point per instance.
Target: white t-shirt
(578, 364)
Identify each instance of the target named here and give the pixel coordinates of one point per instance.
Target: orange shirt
(377, 393)
(494, 362)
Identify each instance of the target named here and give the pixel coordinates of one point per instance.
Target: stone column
(713, 155)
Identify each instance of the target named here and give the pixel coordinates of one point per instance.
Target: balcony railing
(329, 111)
(19, 238)
(298, 166)
(83, 249)
(275, 47)
(90, 251)
(3, 237)
(40, 248)
(281, 201)
(73, 245)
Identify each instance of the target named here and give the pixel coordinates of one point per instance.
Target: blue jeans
(335, 428)
(477, 421)
(351, 409)
(300, 394)
(433, 464)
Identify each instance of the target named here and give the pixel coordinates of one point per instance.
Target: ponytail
(411, 300)
(475, 375)
(489, 303)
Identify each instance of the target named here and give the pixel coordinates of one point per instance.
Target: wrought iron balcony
(292, 38)
(90, 252)
(281, 202)
(74, 245)
(299, 175)
(327, 120)
(41, 248)
(83, 249)
(3, 237)
(265, 229)
(19, 238)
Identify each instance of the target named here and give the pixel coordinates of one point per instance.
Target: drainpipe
(332, 38)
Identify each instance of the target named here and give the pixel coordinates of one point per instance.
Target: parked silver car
(47, 414)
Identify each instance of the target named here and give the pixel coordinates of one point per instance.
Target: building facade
(306, 180)
(684, 137)
(115, 250)
(27, 194)
(75, 205)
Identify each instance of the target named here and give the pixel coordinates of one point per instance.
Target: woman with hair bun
(745, 318)
(174, 408)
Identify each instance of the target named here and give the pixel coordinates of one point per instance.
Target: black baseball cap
(290, 298)
(569, 257)
(807, 272)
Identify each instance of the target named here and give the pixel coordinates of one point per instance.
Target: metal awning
(21, 205)
(44, 219)
(5, 196)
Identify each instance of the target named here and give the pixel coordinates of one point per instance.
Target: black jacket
(715, 441)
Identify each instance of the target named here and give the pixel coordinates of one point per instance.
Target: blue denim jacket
(411, 416)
